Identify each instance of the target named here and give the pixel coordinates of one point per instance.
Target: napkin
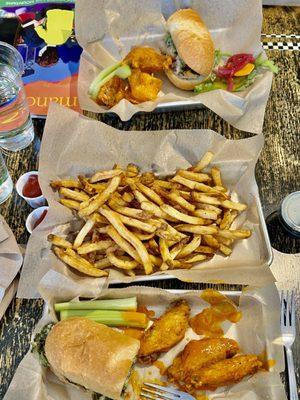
(10, 259)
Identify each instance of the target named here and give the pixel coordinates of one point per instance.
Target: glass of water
(6, 185)
(16, 129)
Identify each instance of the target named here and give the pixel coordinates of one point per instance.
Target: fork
(156, 392)
(288, 330)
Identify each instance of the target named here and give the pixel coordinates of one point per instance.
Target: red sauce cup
(22, 182)
(35, 218)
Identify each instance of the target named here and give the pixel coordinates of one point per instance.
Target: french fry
(195, 258)
(122, 243)
(237, 234)
(216, 176)
(122, 263)
(162, 184)
(225, 250)
(228, 218)
(155, 210)
(183, 181)
(234, 206)
(134, 212)
(223, 240)
(209, 207)
(151, 194)
(205, 160)
(73, 195)
(66, 183)
(203, 198)
(76, 263)
(211, 241)
(176, 198)
(205, 250)
(147, 178)
(181, 216)
(206, 214)
(59, 241)
(139, 196)
(72, 204)
(130, 237)
(104, 175)
(101, 198)
(194, 176)
(83, 232)
(103, 263)
(165, 254)
(178, 247)
(132, 170)
(89, 247)
(190, 247)
(128, 197)
(197, 229)
(136, 223)
(144, 236)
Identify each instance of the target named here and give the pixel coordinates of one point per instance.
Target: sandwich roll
(192, 40)
(184, 84)
(91, 355)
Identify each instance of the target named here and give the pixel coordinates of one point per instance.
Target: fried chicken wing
(147, 59)
(165, 332)
(112, 92)
(227, 372)
(143, 86)
(198, 354)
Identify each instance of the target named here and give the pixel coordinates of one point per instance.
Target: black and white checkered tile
(287, 42)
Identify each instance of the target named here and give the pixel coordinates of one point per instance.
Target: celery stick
(129, 304)
(110, 318)
(101, 78)
(123, 72)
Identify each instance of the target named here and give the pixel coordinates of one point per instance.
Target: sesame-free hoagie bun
(91, 355)
(194, 46)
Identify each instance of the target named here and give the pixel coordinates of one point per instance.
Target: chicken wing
(143, 86)
(165, 332)
(227, 372)
(147, 59)
(198, 354)
(112, 92)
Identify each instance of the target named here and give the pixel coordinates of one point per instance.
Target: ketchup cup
(34, 217)
(34, 202)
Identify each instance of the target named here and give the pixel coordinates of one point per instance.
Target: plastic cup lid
(290, 210)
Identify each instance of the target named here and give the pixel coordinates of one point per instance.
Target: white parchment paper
(73, 145)
(108, 29)
(10, 257)
(257, 332)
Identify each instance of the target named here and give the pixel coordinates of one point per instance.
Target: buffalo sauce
(161, 366)
(143, 309)
(267, 364)
(133, 332)
(208, 322)
(32, 188)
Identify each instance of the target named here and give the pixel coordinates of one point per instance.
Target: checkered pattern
(281, 46)
(280, 36)
(281, 41)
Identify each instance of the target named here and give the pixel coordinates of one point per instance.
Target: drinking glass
(16, 129)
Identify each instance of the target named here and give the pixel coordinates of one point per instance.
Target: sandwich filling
(179, 67)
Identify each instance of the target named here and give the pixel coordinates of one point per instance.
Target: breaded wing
(227, 372)
(198, 354)
(165, 332)
(147, 59)
(112, 92)
(143, 86)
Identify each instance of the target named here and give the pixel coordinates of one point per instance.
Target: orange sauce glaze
(133, 332)
(208, 322)
(161, 366)
(267, 364)
(143, 309)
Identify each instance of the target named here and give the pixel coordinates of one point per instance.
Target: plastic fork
(288, 330)
(156, 392)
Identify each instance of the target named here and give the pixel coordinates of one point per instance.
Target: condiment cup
(33, 217)
(34, 202)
